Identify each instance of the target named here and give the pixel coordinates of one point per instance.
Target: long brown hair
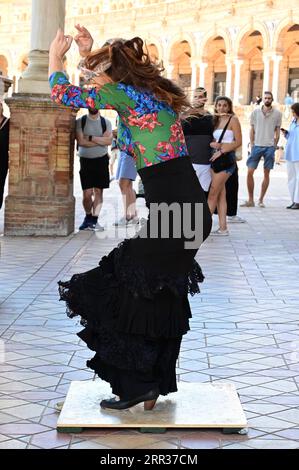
(230, 108)
(131, 64)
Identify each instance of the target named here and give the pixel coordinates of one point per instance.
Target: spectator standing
(126, 174)
(227, 129)
(292, 156)
(93, 134)
(264, 135)
(198, 129)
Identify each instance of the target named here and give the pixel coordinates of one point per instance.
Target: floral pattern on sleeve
(149, 130)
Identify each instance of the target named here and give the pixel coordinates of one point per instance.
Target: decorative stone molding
(5, 84)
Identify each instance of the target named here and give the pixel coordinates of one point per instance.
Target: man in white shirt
(264, 135)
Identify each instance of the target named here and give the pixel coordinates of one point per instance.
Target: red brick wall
(40, 197)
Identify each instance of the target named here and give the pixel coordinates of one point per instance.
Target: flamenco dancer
(134, 306)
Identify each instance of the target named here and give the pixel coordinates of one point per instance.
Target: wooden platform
(195, 405)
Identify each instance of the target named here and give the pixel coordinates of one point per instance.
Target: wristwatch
(90, 138)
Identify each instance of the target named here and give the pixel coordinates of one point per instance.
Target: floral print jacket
(149, 130)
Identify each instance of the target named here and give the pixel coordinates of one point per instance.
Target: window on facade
(254, 33)
(293, 86)
(295, 27)
(185, 80)
(256, 84)
(219, 84)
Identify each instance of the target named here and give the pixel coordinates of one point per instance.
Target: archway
(215, 77)
(180, 58)
(252, 69)
(288, 47)
(3, 65)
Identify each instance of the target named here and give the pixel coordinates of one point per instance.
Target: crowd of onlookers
(218, 136)
(214, 142)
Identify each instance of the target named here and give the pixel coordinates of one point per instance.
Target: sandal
(247, 204)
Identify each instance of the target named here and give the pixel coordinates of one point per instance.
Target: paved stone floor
(244, 331)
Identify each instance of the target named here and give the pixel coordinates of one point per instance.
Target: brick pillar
(40, 200)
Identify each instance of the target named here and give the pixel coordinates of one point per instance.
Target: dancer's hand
(84, 40)
(60, 45)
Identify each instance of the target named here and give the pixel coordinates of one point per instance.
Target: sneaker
(291, 206)
(235, 219)
(97, 227)
(247, 204)
(133, 221)
(87, 224)
(122, 222)
(222, 233)
(261, 204)
(295, 206)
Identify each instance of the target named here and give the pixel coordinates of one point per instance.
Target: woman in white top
(231, 140)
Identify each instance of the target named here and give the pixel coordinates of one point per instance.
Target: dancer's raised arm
(84, 40)
(104, 95)
(59, 47)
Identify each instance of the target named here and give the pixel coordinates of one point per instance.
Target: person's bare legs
(129, 197)
(222, 209)
(88, 200)
(217, 185)
(132, 212)
(250, 184)
(97, 201)
(265, 184)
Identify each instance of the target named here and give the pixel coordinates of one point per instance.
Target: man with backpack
(93, 134)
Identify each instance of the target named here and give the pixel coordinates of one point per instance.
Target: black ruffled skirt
(134, 306)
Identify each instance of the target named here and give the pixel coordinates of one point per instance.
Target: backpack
(83, 124)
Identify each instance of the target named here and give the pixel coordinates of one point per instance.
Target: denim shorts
(126, 167)
(231, 169)
(257, 153)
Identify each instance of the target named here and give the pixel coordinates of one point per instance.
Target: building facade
(239, 48)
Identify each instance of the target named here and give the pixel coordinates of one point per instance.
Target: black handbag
(226, 160)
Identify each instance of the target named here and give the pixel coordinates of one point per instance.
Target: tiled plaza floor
(244, 331)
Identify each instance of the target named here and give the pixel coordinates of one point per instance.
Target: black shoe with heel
(114, 404)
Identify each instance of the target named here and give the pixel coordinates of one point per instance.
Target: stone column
(40, 197)
(238, 64)
(266, 82)
(202, 71)
(194, 74)
(228, 85)
(275, 80)
(169, 70)
(47, 17)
